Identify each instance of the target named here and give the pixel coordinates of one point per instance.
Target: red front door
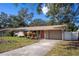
(42, 34)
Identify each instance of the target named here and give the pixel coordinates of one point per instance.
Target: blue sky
(11, 9)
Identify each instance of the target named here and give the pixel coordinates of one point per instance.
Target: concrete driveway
(37, 49)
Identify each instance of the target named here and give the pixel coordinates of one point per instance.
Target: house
(48, 32)
(45, 32)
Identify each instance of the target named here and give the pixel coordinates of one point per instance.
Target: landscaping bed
(10, 43)
(65, 48)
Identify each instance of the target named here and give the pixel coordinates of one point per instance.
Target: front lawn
(10, 43)
(65, 48)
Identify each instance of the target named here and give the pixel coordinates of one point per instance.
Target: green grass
(65, 48)
(10, 43)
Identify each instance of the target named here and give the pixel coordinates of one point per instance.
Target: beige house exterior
(45, 32)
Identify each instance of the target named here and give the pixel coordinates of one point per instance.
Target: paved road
(36, 49)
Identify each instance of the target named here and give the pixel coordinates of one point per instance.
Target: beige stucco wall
(45, 34)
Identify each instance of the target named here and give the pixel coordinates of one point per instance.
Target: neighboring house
(45, 32)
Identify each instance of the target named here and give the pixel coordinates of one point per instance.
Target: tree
(13, 21)
(38, 22)
(24, 17)
(3, 20)
(63, 13)
(51, 22)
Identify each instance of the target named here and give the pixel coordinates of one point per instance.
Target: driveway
(37, 49)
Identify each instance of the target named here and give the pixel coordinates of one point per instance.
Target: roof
(55, 27)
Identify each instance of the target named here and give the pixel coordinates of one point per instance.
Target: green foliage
(39, 10)
(51, 22)
(19, 20)
(38, 22)
(72, 27)
(24, 17)
(3, 20)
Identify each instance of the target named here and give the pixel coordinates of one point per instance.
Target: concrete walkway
(36, 49)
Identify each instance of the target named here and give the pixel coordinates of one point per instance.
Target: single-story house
(45, 32)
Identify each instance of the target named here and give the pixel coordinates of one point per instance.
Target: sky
(11, 9)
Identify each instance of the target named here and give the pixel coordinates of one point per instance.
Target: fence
(71, 35)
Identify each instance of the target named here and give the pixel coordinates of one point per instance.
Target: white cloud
(45, 10)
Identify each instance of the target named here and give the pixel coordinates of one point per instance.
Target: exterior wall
(46, 34)
(62, 34)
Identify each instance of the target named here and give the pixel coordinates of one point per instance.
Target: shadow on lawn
(71, 45)
(2, 41)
